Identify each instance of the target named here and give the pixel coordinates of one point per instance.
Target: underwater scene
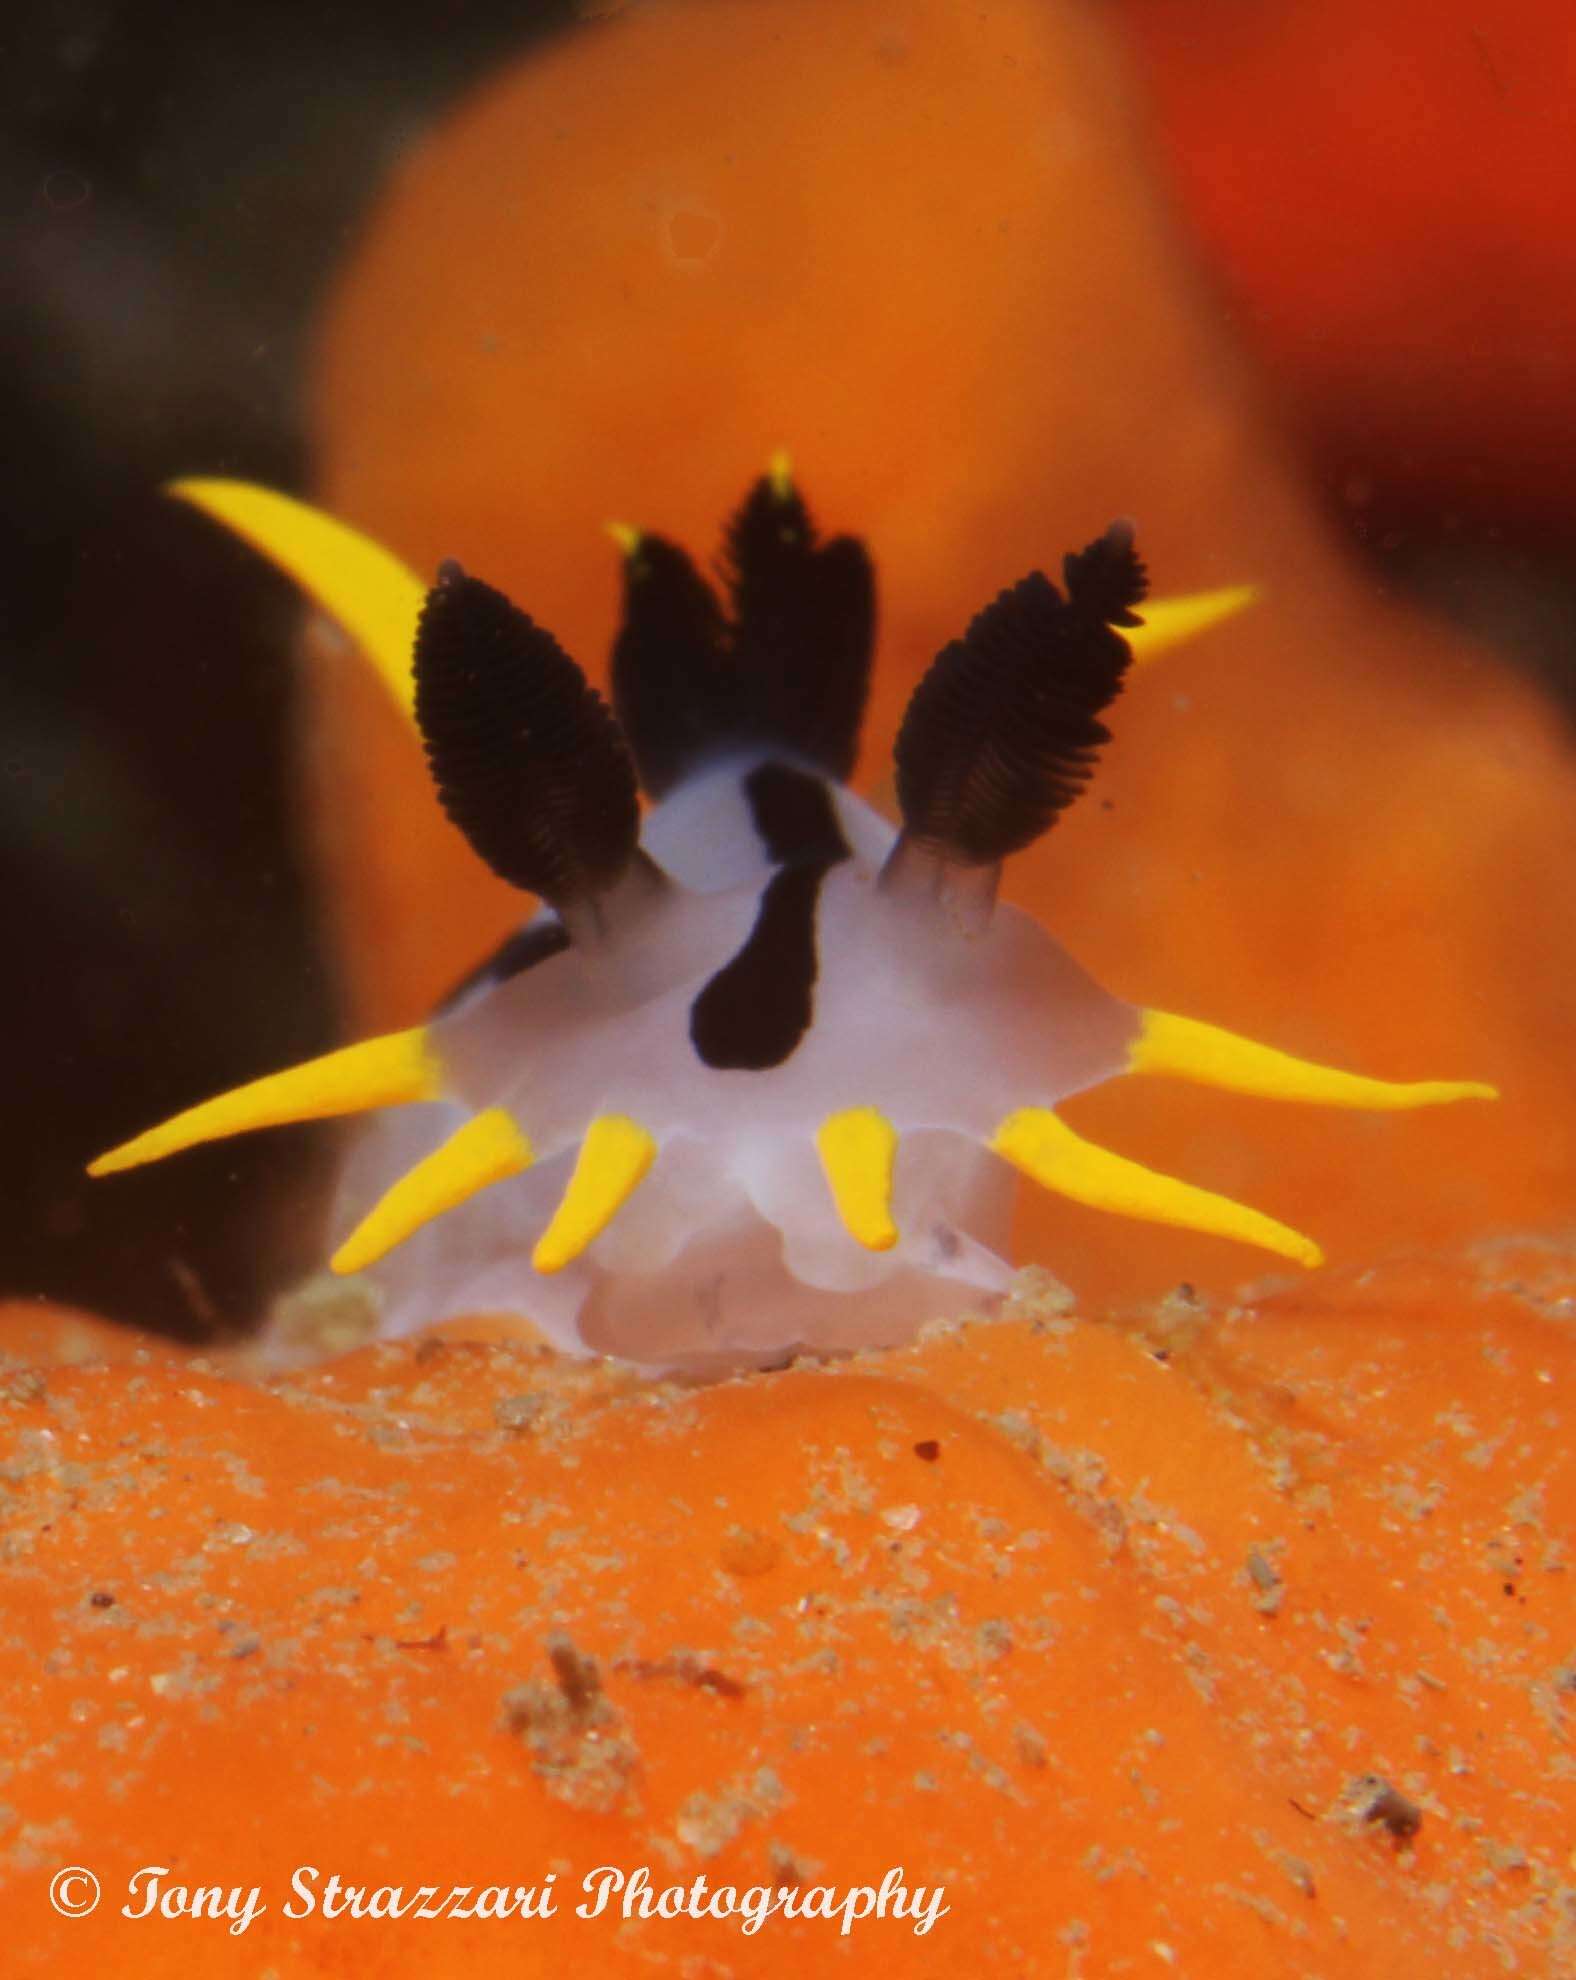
(788, 805)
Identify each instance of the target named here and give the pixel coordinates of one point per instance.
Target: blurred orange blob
(1386, 191)
(1228, 1644)
(919, 245)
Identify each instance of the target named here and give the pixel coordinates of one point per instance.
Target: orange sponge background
(922, 246)
(1384, 194)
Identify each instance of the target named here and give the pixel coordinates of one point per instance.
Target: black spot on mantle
(794, 816)
(754, 1011)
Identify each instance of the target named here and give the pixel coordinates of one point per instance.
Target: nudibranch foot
(757, 1076)
(694, 1272)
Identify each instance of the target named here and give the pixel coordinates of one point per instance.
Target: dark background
(176, 185)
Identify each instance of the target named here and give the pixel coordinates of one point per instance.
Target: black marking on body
(794, 816)
(528, 946)
(786, 666)
(754, 1011)
(528, 761)
(1002, 732)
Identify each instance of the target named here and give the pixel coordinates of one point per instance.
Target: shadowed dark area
(176, 185)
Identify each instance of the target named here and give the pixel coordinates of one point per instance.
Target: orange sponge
(1383, 192)
(1232, 1641)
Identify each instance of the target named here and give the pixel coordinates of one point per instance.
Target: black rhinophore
(1002, 732)
(527, 758)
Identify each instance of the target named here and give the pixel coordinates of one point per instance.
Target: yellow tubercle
(1034, 1140)
(613, 1161)
(379, 1072)
(858, 1150)
(366, 588)
(1187, 1049)
(779, 471)
(1169, 622)
(486, 1150)
(625, 535)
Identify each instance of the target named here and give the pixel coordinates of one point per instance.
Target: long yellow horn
(610, 1167)
(1035, 1140)
(858, 1149)
(380, 1072)
(1186, 1049)
(1169, 622)
(356, 581)
(487, 1149)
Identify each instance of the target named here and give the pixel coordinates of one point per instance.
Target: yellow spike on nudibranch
(779, 472)
(1045, 1148)
(358, 583)
(1187, 1049)
(487, 1149)
(858, 1148)
(611, 1165)
(379, 1072)
(1169, 622)
(625, 535)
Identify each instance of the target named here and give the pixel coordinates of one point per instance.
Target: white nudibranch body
(755, 1078)
(732, 1246)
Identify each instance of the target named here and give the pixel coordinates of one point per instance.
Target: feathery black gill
(786, 667)
(804, 617)
(528, 761)
(1107, 577)
(674, 691)
(1001, 734)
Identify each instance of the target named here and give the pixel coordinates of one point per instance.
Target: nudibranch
(756, 1077)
